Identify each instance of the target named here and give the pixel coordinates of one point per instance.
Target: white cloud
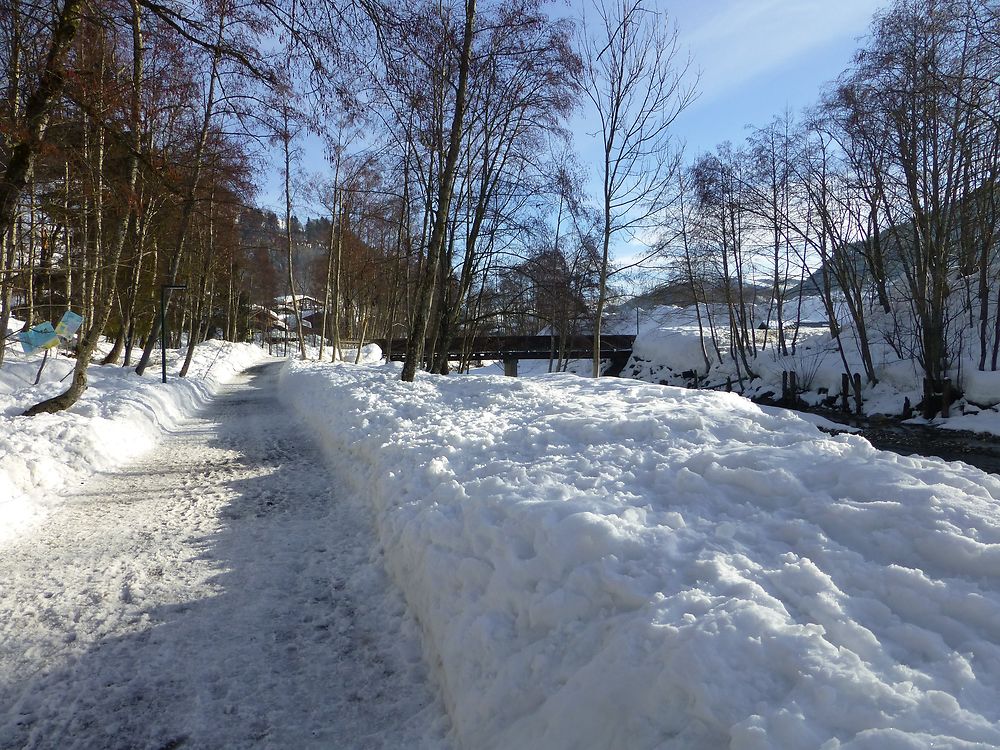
(733, 41)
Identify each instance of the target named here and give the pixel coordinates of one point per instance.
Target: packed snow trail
(219, 593)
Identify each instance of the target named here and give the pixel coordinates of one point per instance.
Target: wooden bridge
(511, 349)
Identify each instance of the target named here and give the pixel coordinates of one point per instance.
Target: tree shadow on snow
(294, 638)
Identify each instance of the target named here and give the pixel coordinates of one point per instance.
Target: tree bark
(187, 208)
(37, 112)
(415, 341)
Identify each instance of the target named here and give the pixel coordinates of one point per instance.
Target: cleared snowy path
(219, 593)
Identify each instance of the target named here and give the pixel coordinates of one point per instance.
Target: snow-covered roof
(304, 300)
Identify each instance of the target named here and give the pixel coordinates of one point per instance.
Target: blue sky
(758, 57)
(755, 57)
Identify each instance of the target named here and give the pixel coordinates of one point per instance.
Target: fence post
(857, 393)
(946, 398)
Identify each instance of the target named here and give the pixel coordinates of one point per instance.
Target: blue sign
(69, 325)
(42, 336)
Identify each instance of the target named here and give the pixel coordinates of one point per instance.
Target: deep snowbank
(119, 416)
(620, 565)
(668, 350)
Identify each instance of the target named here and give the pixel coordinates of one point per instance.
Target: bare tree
(719, 185)
(37, 110)
(771, 155)
(101, 310)
(190, 195)
(445, 184)
(637, 82)
(520, 88)
(919, 58)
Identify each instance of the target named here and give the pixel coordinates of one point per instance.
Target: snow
(13, 324)
(610, 563)
(982, 388)
(370, 354)
(816, 420)
(983, 422)
(680, 347)
(667, 350)
(570, 563)
(667, 343)
(222, 591)
(119, 417)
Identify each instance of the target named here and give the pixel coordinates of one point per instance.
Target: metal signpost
(164, 288)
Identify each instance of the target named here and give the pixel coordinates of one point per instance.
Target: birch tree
(637, 82)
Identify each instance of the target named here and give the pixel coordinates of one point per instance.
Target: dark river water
(981, 451)
(977, 450)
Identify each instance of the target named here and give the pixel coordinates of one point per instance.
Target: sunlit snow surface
(120, 416)
(614, 564)
(221, 591)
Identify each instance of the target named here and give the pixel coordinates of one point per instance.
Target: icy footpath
(219, 592)
(618, 565)
(119, 417)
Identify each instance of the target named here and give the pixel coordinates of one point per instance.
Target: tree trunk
(197, 323)
(187, 209)
(116, 349)
(37, 111)
(415, 341)
(286, 143)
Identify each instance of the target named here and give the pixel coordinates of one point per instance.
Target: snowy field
(616, 564)
(119, 417)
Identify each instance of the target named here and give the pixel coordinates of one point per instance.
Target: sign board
(42, 336)
(68, 325)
